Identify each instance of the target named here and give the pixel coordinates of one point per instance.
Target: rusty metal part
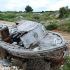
(5, 35)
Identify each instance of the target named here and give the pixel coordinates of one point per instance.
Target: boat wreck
(32, 44)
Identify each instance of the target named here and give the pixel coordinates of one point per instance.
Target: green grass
(29, 16)
(52, 26)
(49, 19)
(65, 25)
(66, 65)
(7, 16)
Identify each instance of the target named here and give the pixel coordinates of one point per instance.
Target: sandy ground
(6, 22)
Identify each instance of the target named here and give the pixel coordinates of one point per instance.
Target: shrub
(63, 12)
(67, 64)
(65, 26)
(36, 17)
(52, 26)
(28, 9)
(8, 16)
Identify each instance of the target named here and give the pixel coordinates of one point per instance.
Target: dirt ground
(6, 22)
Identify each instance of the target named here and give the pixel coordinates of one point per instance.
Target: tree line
(63, 11)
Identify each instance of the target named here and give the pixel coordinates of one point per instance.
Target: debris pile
(31, 43)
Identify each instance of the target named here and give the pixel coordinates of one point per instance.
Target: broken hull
(34, 60)
(38, 48)
(17, 51)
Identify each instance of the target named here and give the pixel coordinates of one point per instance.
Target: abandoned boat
(28, 40)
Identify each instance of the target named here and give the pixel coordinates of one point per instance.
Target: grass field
(49, 19)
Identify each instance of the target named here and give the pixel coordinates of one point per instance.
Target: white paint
(26, 26)
(33, 36)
